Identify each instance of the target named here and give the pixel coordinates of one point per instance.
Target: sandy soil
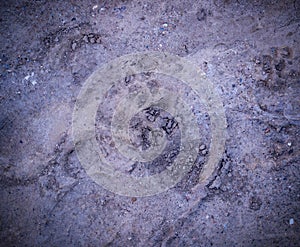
(249, 50)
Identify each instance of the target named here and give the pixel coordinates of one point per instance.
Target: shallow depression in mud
(151, 126)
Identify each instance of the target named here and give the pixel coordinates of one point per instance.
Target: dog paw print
(91, 38)
(271, 68)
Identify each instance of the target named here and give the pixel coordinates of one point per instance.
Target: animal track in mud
(91, 38)
(148, 125)
(273, 68)
(144, 131)
(59, 35)
(61, 43)
(276, 77)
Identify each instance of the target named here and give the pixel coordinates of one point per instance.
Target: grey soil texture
(250, 50)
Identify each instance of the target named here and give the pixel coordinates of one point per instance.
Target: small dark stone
(123, 8)
(127, 79)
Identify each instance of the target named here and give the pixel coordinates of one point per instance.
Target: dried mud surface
(250, 51)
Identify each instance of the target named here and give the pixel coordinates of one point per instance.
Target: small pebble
(73, 46)
(98, 40)
(204, 152)
(289, 144)
(202, 147)
(292, 221)
(216, 184)
(85, 39)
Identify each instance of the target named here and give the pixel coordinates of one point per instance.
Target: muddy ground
(250, 51)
